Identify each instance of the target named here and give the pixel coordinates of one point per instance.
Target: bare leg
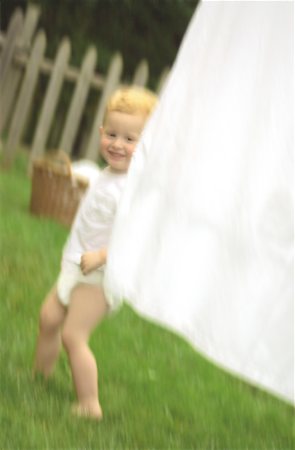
(87, 307)
(52, 315)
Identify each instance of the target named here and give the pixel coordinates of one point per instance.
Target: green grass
(156, 391)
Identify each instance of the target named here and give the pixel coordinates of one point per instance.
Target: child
(76, 304)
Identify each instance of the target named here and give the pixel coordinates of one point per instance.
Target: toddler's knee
(47, 321)
(69, 339)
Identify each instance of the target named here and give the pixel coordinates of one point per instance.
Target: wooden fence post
(78, 101)
(14, 74)
(111, 82)
(141, 73)
(51, 98)
(162, 79)
(24, 100)
(14, 30)
(30, 24)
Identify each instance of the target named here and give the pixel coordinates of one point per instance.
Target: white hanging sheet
(203, 239)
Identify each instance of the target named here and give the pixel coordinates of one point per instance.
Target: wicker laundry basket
(55, 192)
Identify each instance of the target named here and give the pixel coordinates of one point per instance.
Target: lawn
(156, 391)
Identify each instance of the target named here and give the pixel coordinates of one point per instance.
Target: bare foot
(87, 411)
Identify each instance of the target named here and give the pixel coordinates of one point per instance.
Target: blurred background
(150, 30)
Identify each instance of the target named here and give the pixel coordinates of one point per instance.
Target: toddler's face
(119, 136)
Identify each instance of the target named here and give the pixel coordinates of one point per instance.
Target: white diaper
(70, 276)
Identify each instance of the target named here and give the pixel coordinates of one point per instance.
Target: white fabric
(70, 276)
(86, 169)
(94, 220)
(202, 242)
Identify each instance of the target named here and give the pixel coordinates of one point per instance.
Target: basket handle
(59, 160)
(66, 160)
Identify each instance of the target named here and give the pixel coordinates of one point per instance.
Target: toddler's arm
(93, 260)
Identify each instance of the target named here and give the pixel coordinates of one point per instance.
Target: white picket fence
(22, 61)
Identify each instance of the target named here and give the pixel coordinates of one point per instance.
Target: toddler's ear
(101, 130)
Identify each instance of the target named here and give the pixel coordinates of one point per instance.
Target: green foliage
(151, 29)
(157, 393)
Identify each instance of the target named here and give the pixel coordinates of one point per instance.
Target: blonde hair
(132, 100)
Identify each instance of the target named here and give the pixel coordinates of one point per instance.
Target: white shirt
(93, 222)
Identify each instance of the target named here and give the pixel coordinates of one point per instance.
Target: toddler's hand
(91, 261)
